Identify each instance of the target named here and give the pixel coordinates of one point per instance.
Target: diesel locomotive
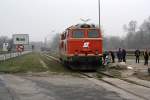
(80, 47)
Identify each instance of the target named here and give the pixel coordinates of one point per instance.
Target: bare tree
(132, 26)
(133, 39)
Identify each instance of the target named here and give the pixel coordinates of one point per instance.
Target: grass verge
(29, 62)
(54, 66)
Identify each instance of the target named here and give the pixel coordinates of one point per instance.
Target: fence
(6, 56)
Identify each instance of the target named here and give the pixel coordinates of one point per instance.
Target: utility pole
(45, 42)
(99, 13)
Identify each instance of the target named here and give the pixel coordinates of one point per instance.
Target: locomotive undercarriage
(83, 63)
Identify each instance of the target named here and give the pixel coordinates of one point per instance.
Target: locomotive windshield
(78, 34)
(93, 34)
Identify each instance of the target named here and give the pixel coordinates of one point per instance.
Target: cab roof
(81, 26)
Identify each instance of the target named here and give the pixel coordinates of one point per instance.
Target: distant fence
(130, 52)
(6, 56)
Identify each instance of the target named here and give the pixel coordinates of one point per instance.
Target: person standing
(124, 55)
(108, 59)
(104, 57)
(119, 55)
(137, 55)
(112, 56)
(146, 57)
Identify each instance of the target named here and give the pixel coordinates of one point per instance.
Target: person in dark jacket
(146, 57)
(119, 55)
(112, 56)
(137, 55)
(124, 55)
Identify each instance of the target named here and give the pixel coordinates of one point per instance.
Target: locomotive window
(93, 34)
(78, 34)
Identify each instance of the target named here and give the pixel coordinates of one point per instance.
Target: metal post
(99, 7)
(45, 41)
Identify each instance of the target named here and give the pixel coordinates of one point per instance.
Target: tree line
(136, 38)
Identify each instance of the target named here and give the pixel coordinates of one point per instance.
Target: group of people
(146, 55)
(121, 55)
(109, 57)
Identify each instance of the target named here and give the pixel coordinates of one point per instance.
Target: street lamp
(99, 13)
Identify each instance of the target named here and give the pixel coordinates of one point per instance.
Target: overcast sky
(39, 18)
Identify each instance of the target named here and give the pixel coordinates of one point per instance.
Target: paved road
(4, 92)
(54, 87)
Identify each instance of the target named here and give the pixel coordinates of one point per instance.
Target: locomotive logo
(86, 45)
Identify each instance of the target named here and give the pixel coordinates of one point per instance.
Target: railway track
(138, 90)
(114, 82)
(53, 58)
(124, 79)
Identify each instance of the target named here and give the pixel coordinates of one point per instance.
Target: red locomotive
(81, 46)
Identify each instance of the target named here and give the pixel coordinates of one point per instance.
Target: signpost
(20, 48)
(20, 40)
(5, 46)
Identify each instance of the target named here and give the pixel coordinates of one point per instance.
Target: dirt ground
(131, 69)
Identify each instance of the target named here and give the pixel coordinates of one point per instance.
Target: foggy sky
(40, 18)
